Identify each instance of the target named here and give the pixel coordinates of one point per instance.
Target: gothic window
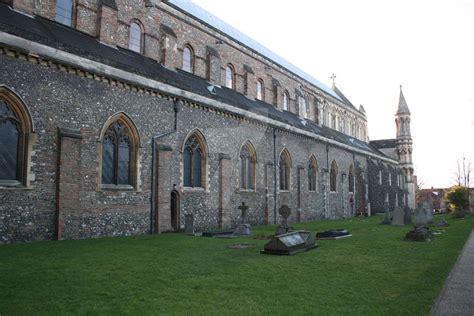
(333, 177)
(302, 107)
(119, 152)
(286, 101)
(389, 178)
(15, 128)
(333, 121)
(351, 179)
(380, 177)
(285, 168)
(194, 161)
(247, 167)
(135, 37)
(188, 59)
(64, 12)
(230, 77)
(312, 174)
(260, 90)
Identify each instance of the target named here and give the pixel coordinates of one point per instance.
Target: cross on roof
(333, 77)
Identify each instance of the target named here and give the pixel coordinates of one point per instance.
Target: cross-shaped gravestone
(285, 212)
(243, 208)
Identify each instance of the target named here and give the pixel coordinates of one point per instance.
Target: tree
(462, 175)
(458, 199)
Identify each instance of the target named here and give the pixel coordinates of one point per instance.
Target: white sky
(373, 47)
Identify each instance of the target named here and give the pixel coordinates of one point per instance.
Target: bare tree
(462, 175)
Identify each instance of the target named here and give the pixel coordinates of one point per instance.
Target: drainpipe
(328, 183)
(274, 178)
(153, 162)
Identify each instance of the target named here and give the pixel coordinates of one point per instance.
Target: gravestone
(243, 229)
(284, 212)
(442, 223)
(428, 211)
(421, 218)
(386, 220)
(420, 233)
(398, 216)
(189, 224)
(408, 216)
(290, 243)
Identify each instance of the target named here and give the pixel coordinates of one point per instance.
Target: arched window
(286, 101)
(285, 170)
(188, 59)
(312, 174)
(247, 167)
(194, 161)
(135, 37)
(302, 107)
(64, 12)
(351, 179)
(260, 90)
(333, 177)
(229, 77)
(119, 152)
(15, 129)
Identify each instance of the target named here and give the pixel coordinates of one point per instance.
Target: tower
(405, 148)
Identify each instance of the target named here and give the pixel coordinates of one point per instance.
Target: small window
(389, 178)
(312, 174)
(188, 59)
(302, 107)
(380, 177)
(194, 161)
(333, 177)
(229, 77)
(286, 101)
(285, 170)
(119, 152)
(64, 12)
(260, 90)
(135, 37)
(333, 121)
(247, 167)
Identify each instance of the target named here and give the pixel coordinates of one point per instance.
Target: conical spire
(402, 104)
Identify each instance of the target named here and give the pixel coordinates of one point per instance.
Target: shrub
(458, 199)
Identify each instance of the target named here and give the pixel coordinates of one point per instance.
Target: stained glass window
(116, 155)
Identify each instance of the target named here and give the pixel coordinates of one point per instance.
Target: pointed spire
(402, 104)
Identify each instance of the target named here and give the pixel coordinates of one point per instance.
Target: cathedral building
(121, 117)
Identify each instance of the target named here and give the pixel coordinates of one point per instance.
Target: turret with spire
(405, 146)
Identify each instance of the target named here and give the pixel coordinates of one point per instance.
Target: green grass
(374, 272)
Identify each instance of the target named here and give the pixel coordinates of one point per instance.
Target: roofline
(109, 71)
(336, 97)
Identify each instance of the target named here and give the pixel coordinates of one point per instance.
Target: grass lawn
(373, 272)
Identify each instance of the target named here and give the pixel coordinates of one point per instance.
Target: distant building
(434, 197)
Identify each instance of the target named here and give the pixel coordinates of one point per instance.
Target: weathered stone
(398, 216)
(420, 233)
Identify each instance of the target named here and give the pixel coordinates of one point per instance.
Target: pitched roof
(402, 104)
(69, 40)
(214, 22)
(343, 97)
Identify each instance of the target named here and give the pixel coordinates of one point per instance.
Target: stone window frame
(247, 169)
(333, 177)
(135, 144)
(260, 89)
(285, 173)
(26, 140)
(232, 76)
(142, 32)
(188, 48)
(199, 136)
(379, 177)
(72, 17)
(302, 107)
(312, 174)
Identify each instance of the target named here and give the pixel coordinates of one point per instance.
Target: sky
(373, 47)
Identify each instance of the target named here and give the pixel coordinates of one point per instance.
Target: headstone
(420, 233)
(398, 216)
(333, 234)
(290, 244)
(386, 220)
(243, 229)
(421, 218)
(442, 223)
(189, 224)
(428, 211)
(285, 212)
(408, 216)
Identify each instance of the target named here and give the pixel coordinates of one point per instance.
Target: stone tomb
(290, 243)
(333, 234)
